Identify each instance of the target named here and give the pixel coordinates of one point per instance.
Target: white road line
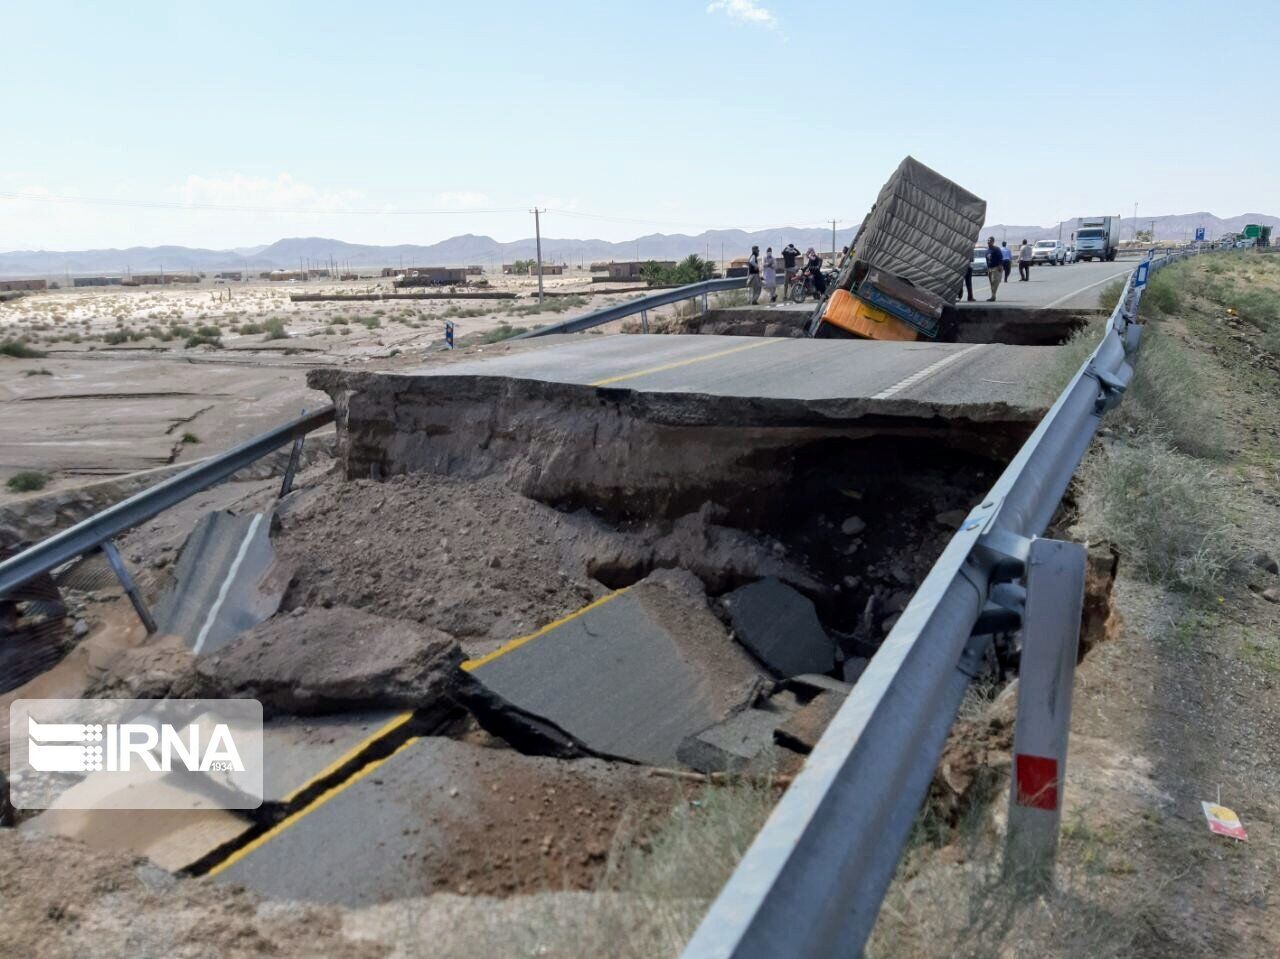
(920, 375)
(1083, 289)
(226, 585)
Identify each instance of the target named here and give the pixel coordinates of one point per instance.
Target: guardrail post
(705, 308)
(1050, 638)
(294, 456)
(644, 321)
(116, 562)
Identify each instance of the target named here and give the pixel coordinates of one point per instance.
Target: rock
(780, 627)
(952, 518)
(853, 526)
(80, 629)
(1264, 561)
(898, 601)
(163, 669)
(889, 622)
(744, 740)
(802, 730)
(333, 660)
(1271, 595)
(853, 668)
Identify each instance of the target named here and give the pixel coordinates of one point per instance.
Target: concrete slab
(743, 742)
(780, 627)
(630, 676)
(227, 580)
(438, 815)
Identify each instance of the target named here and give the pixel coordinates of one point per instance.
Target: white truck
(1097, 237)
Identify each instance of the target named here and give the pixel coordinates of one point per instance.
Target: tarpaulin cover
(923, 229)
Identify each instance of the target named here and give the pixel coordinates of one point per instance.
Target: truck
(907, 262)
(1097, 237)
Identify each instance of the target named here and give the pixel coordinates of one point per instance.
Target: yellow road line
(679, 363)
(288, 821)
(351, 754)
(507, 647)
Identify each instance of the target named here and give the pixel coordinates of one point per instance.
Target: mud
(484, 564)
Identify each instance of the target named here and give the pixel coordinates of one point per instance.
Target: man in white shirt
(1024, 262)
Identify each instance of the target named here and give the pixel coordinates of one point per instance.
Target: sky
(232, 125)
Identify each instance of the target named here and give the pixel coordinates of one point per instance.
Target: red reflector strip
(1037, 778)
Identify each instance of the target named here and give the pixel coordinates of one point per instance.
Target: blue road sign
(1199, 234)
(448, 334)
(1140, 278)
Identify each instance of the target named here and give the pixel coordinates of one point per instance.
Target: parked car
(1071, 254)
(1049, 251)
(979, 261)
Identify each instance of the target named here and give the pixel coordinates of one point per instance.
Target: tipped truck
(908, 260)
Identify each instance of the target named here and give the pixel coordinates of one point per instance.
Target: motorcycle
(803, 285)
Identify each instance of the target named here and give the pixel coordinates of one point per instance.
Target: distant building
(473, 270)
(96, 281)
(231, 275)
(277, 276)
(159, 279)
(630, 269)
(434, 276)
(548, 269)
(12, 285)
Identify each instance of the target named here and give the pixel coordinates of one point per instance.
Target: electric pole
(833, 242)
(1135, 221)
(537, 233)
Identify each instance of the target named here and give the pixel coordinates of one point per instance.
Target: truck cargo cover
(923, 228)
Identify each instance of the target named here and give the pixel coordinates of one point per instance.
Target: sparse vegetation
(692, 269)
(19, 349)
(41, 371)
(190, 438)
(274, 329)
(27, 481)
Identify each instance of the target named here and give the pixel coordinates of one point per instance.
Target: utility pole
(537, 233)
(1135, 221)
(833, 242)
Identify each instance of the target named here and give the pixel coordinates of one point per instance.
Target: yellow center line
(507, 647)
(395, 723)
(288, 821)
(679, 363)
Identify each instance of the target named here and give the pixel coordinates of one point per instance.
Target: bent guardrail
(98, 530)
(812, 881)
(641, 305)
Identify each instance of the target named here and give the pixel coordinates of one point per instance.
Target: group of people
(762, 272)
(999, 265)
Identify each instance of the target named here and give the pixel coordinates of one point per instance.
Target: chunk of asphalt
(315, 661)
(630, 676)
(442, 815)
(780, 627)
(802, 730)
(743, 741)
(226, 580)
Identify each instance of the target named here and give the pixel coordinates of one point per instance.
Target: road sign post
(1050, 638)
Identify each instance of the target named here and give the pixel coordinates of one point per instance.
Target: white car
(979, 262)
(1049, 251)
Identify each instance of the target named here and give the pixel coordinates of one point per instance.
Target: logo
(135, 753)
(77, 747)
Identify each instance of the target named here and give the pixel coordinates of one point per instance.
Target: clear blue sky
(684, 115)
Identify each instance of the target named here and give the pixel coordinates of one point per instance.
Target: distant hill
(469, 248)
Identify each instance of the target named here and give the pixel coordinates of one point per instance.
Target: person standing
(770, 275)
(968, 282)
(1024, 262)
(994, 263)
(790, 257)
(753, 276)
(1006, 259)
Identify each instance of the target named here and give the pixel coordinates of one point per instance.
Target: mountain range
(467, 249)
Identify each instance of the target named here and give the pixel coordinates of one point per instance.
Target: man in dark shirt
(995, 263)
(790, 256)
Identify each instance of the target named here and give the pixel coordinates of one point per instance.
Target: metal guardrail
(813, 879)
(98, 530)
(641, 305)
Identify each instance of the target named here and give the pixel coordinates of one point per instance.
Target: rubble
(743, 743)
(805, 727)
(780, 627)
